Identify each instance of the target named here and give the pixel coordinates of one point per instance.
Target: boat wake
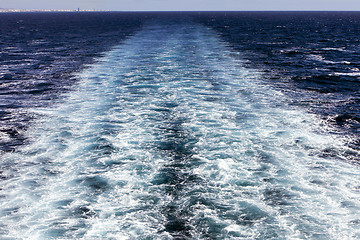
(168, 137)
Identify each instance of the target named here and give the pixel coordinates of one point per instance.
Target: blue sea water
(179, 126)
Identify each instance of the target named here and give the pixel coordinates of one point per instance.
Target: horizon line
(97, 10)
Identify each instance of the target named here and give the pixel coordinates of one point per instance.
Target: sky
(184, 5)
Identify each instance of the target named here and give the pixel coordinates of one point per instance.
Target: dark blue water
(315, 57)
(39, 54)
(179, 125)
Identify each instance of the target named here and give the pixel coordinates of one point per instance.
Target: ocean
(180, 125)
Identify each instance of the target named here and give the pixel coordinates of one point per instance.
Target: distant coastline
(49, 10)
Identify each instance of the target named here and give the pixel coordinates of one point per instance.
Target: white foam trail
(262, 169)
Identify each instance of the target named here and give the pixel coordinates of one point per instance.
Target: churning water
(169, 136)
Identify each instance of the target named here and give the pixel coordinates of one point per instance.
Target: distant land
(50, 10)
